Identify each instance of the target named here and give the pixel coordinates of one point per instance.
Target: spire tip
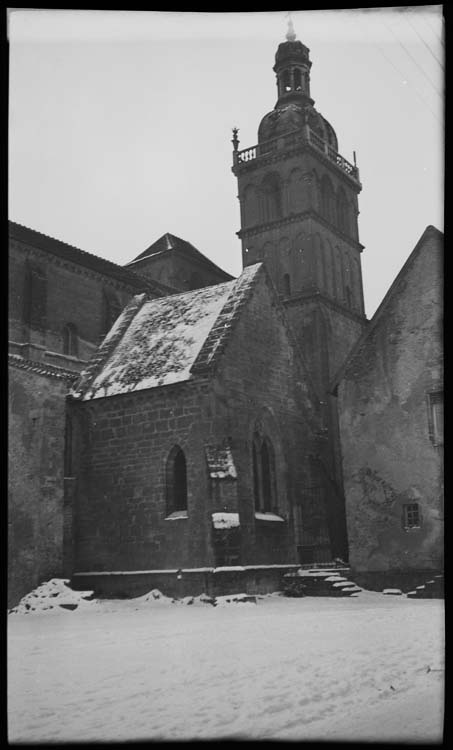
(290, 34)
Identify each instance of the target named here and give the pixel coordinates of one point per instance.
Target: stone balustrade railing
(294, 139)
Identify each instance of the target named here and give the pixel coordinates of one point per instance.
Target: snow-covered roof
(158, 342)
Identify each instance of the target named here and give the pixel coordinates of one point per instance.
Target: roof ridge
(175, 243)
(109, 265)
(221, 330)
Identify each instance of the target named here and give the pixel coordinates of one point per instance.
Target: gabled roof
(169, 243)
(167, 340)
(70, 253)
(430, 233)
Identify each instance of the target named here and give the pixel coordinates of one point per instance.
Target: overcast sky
(120, 123)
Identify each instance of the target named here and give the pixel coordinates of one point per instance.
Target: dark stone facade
(38, 523)
(62, 301)
(390, 399)
(259, 385)
(292, 433)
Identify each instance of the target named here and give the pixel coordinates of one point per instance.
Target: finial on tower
(290, 34)
(235, 140)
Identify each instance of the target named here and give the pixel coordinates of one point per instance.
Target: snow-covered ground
(365, 668)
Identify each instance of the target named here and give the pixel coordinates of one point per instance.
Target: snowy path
(283, 668)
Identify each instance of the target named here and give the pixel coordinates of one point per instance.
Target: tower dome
(294, 107)
(291, 116)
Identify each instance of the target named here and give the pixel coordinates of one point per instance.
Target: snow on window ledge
(225, 520)
(268, 517)
(176, 515)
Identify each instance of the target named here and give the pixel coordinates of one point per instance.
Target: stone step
(318, 585)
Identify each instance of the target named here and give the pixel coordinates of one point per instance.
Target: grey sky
(120, 123)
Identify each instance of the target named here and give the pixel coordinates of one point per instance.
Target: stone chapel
(174, 427)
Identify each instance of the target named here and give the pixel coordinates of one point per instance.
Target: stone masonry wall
(121, 508)
(389, 458)
(260, 383)
(70, 294)
(121, 511)
(36, 449)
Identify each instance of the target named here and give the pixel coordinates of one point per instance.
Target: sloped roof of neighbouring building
(70, 253)
(169, 242)
(430, 233)
(167, 340)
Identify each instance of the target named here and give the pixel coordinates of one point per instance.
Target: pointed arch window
(272, 190)
(70, 340)
(264, 485)
(35, 296)
(342, 212)
(286, 79)
(176, 481)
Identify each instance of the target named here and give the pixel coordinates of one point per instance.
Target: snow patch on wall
(268, 517)
(225, 521)
(220, 462)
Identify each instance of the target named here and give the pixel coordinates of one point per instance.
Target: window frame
(412, 516)
(434, 398)
(172, 491)
(265, 498)
(70, 340)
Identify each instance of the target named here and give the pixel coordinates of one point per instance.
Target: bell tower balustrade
(295, 139)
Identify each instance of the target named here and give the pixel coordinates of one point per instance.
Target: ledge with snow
(237, 579)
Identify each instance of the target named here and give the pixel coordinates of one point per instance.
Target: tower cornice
(296, 218)
(315, 295)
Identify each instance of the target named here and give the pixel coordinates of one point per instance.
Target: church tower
(299, 207)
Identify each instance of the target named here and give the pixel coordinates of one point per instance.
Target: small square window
(411, 516)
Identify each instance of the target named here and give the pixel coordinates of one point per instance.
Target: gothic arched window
(70, 340)
(250, 206)
(264, 489)
(35, 296)
(327, 199)
(272, 191)
(286, 79)
(342, 211)
(176, 480)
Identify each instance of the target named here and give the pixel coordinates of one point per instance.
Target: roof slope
(430, 233)
(164, 341)
(169, 242)
(70, 253)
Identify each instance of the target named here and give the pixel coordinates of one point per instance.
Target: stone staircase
(314, 581)
(432, 589)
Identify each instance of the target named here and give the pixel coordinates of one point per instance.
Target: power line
(433, 30)
(421, 98)
(402, 75)
(412, 58)
(423, 41)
